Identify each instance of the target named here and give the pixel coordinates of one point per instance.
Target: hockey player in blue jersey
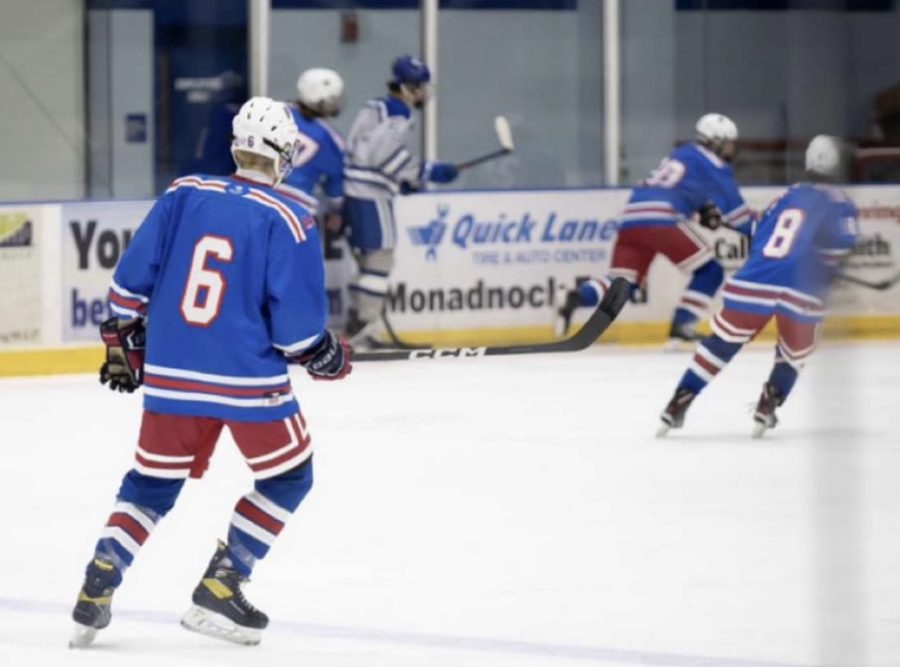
(696, 178)
(319, 162)
(380, 164)
(794, 254)
(221, 289)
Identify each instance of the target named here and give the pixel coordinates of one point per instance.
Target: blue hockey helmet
(409, 70)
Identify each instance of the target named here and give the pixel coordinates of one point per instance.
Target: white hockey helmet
(321, 90)
(266, 128)
(823, 155)
(716, 130)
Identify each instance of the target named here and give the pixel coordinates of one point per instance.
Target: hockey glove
(407, 188)
(329, 359)
(710, 216)
(125, 341)
(442, 172)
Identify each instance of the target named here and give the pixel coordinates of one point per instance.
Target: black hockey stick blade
(880, 285)
(613, 301)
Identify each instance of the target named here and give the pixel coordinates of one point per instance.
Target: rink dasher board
(475, 268)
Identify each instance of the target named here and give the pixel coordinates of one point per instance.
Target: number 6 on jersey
(202, 314)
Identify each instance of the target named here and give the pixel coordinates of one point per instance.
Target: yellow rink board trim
(88, 359)
(51, 362)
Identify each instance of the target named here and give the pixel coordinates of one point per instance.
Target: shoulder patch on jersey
(290, 218)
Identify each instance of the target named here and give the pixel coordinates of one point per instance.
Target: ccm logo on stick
(448, 352)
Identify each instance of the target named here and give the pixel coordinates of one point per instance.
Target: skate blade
(662, 430)
(758, 430)
(82, 636)
(205, 622)
(679, 345)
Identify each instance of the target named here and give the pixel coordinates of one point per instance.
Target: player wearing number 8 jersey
(695, 178)
(228, 275)
(794, 254)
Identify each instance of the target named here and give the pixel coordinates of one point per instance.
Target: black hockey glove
(329, 359)
(710, 216)
(125, 341)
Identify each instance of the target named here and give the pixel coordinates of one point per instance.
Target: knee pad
(150, 493)
(288, 489)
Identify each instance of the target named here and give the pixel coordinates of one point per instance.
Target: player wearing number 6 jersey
(795, 252)
(224, 280)
(695, 179)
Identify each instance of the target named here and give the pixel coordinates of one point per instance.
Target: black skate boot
(92, 610)
(220, 609)
(673, 415)
(764, 415)
(563, 320)
(353, 324)
(682, 336)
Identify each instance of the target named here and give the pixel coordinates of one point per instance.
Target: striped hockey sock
(591, 291)
(142, 501)
(260, 516)
(710, 357)
(125, 532)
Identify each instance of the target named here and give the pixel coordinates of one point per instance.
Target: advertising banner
(496, 259)
(94, 235)
(500, 259)
(20, 275)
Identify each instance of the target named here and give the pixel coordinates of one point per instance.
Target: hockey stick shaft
(879, 285)
(483, 158)
(613, 302)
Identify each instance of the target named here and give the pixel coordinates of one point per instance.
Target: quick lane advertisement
(20, 276)
(495, 259)
(95, 234)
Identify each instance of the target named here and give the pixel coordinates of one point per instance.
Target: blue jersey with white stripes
(230, 276)
(800, 240)
(319, 162)
(681, 185)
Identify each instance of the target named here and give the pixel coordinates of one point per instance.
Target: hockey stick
(504, 136)
(613, 301)
(880, 285)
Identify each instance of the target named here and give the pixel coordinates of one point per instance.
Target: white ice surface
(494, 512)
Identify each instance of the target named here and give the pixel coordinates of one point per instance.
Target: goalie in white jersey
(380, 164)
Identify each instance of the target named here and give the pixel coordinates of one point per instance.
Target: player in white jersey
(379, 165)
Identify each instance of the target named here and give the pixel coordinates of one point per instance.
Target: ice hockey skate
(92, 610)
(220, 609)
(673, 415)
(563, 319)
(764, 415)
(682, 337)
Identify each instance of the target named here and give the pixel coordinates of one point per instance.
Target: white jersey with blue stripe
(319, 162)
(379, 154)
(230, 276)
(681, 185)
